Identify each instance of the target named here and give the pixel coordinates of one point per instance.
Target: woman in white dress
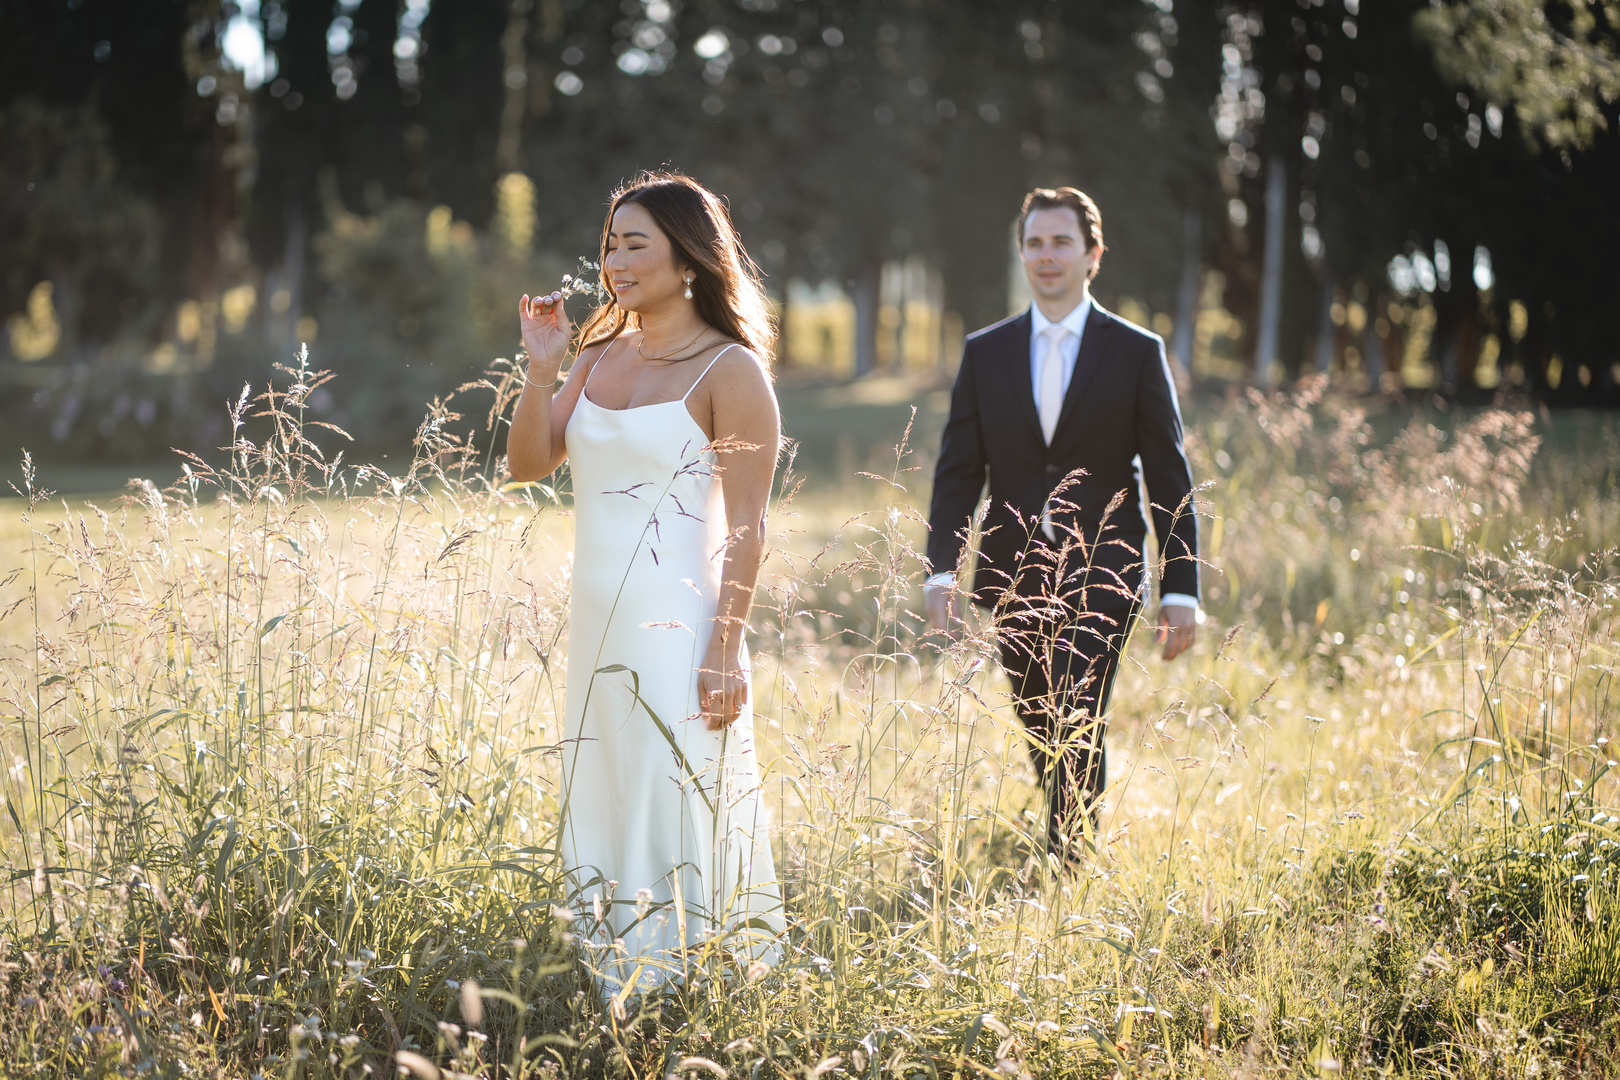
(670, 425)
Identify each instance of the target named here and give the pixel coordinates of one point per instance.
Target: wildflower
(415, 1064)
(588, 281)
(472, 1004)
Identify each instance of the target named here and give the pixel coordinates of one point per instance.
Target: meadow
(281, 772)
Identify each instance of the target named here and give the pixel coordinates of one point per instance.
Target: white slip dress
(663, 826)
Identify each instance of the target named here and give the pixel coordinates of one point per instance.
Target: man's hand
(1177, 629)
(945, 609)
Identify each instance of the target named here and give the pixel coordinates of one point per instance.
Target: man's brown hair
(1084, 209)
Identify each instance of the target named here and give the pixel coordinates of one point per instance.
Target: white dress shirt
(1068, 347)
(1068, 353)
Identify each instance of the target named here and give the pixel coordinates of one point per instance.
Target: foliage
(843, 135)
(414, 300)
(283, 786)
(1556, 64)
(409, 302)
(66, 218)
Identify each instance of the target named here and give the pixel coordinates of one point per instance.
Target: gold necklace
(668, 355)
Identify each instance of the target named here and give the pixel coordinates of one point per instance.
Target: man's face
(1055, 254)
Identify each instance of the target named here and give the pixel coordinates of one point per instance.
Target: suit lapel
(1023, 386)
(1099, 333)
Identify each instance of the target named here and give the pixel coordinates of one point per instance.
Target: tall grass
(282, 784)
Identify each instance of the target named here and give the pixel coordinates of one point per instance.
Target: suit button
(1051, 470)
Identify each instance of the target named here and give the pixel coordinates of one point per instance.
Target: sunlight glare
(243, 45)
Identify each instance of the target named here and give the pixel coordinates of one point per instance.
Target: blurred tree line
(1413, 194)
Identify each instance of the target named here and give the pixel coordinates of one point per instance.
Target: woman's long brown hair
(725, 281)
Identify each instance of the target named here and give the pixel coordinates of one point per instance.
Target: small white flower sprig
(587, 281)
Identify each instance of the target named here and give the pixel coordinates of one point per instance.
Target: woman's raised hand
(546, 333)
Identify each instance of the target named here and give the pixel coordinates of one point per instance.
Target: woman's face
(640, 262)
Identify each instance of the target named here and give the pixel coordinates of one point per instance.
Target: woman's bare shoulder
(740, 390)
(738, 363)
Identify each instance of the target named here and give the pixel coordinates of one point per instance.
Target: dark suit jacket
(1121, 424)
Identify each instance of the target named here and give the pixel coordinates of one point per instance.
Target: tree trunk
(867, 283)
(1187, 295)
(67, 295)
(1602, 391)
(289, 278)
(1372, 350)
(507, 158)
(1395, 356)
(370, 151)
(1468, 341)
(936, 304)
(1265, 347)
(463, 98)
(1326, 332)
(1443, 346)
(894, 297)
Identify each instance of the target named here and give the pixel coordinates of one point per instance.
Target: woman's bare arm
(747, 433)
(535, 445)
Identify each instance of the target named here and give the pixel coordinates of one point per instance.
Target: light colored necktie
(1049, 394)
(1049, 402)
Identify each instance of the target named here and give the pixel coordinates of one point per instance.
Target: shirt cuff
(946, 580)
(1176, 599)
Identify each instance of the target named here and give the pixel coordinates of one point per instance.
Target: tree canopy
(1360, 183)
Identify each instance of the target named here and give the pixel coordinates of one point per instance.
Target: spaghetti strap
(713, 362)
(599, 358)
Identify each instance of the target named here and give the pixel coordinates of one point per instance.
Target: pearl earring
(688, 292)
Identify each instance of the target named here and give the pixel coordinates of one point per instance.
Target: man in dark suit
(1068, 410)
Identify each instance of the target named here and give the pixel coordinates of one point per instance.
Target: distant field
(842, 426)
(839, 426)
